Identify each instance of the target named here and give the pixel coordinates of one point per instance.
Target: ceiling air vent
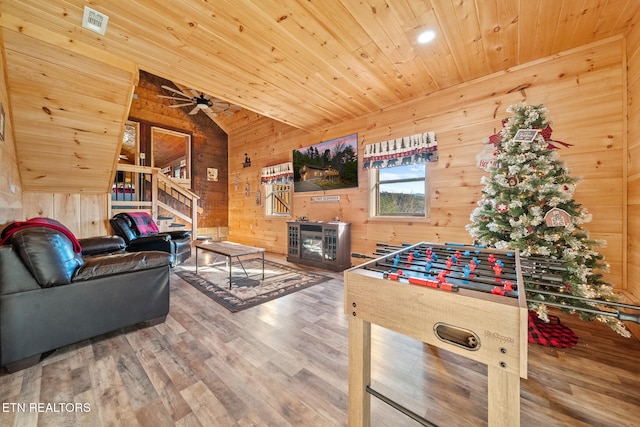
(94, 20)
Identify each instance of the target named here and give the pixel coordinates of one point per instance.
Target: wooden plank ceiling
(311, 64)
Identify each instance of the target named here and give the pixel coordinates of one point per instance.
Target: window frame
(374, 198)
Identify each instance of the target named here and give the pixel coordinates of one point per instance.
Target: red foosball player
(508, 286)
(498, 270)
(472, 265)
(497, 290)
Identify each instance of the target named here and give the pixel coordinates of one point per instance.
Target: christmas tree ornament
(502, 208)
(557, 217)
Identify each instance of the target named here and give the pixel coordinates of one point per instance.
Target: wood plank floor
(284, 363)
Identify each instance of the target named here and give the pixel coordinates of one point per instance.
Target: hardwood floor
(284, 363)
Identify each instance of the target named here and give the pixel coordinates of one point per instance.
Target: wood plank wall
(10, 184)
(87, 214)
(584, 90)
(633, 163)
(84, 214)
(208, 145)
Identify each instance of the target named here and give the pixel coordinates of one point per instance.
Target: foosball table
(467, 300)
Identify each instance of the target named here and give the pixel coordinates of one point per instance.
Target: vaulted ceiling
(310, 64)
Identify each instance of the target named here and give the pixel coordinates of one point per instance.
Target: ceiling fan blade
(175, 91)
(235, 107)
(194, 111)
(174, 97)
(180, 105)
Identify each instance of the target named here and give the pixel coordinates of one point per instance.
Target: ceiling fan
(201, 102)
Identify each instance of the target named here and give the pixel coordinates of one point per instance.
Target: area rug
(246, 292)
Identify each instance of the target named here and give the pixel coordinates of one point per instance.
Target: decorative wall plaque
(325, 199)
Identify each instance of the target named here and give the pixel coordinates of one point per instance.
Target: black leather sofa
(177, 243)
(51, 296)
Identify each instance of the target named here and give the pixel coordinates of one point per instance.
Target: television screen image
(328, 165)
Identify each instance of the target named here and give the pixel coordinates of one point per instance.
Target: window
(278, 201)
(399, 191)
(278, 181)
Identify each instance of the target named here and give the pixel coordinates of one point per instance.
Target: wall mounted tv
(328, 165)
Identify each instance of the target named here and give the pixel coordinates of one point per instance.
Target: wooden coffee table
(230, 250)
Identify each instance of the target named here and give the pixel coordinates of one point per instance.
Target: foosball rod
(441, 256)
(437, 266)
(490, 280)
(627, 317)
(507, 262)
(454, 267)
(588, 300)
(532, 257)
(525, 263)
(479, 280)
(460, 282)
(546, 263)
(443, 250)
(535, 279)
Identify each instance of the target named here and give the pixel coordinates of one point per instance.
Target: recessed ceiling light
(426, 36)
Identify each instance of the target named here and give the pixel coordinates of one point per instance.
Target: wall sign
(325, 199)
(212, 174)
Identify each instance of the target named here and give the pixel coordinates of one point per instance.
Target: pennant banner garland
(418, 148)
(278, 174)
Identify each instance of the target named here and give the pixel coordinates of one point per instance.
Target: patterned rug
(246, 292)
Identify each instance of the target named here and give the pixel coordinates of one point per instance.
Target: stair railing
(143, 188)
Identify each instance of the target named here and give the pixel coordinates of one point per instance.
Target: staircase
(143, 188)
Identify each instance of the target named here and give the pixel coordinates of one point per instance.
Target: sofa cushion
(48, 254)
(102, 245)
(109, 265)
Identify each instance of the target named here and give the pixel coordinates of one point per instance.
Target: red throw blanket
(143, 223)
(6, 234)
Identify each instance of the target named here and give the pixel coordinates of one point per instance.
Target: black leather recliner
(51, 296)
(177, 243)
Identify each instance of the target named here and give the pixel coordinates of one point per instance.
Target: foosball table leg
(359, 372)
(503, 398)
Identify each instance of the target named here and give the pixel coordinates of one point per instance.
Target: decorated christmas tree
(527, 204)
